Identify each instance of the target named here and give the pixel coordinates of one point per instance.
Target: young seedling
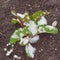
(31, 26)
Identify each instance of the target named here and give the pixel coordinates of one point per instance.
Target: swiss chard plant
(31, 26)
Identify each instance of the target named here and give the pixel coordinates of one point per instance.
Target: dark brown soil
(48, 47)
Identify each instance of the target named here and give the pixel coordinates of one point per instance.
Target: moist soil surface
(48, 47)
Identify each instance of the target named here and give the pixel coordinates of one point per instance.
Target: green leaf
(22, 30)
(41, 29)
(47, 29)
(14, 37)
(52, 30)
(19, 31)
(14, 21)
(26, 17)
(38, 14)
(13, 40)
(25, 30)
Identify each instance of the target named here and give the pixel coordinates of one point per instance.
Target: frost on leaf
(42, 21)
(34, 39)
(32, 27)
(30, 50)
(24, 41)
(28, 33)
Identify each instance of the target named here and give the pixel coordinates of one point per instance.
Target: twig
(21, 22)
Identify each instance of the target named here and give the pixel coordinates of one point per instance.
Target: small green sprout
(30, 27)
(14, 21)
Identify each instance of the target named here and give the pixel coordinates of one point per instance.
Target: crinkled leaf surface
(16, 35)
(38, 14)
(51, 30)
(48, 29)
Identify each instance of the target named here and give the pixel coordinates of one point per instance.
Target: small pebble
(29, 5)
(19, 57)
(41, 49)
(55, 49)
(12, 46)
(54, 23)
(16, 56)
(54, 15)
(5, 49)
(8, 44)
(9, 52)
(50, 36)
(56, 9)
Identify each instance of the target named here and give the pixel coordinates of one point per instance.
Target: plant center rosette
(28, 33)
